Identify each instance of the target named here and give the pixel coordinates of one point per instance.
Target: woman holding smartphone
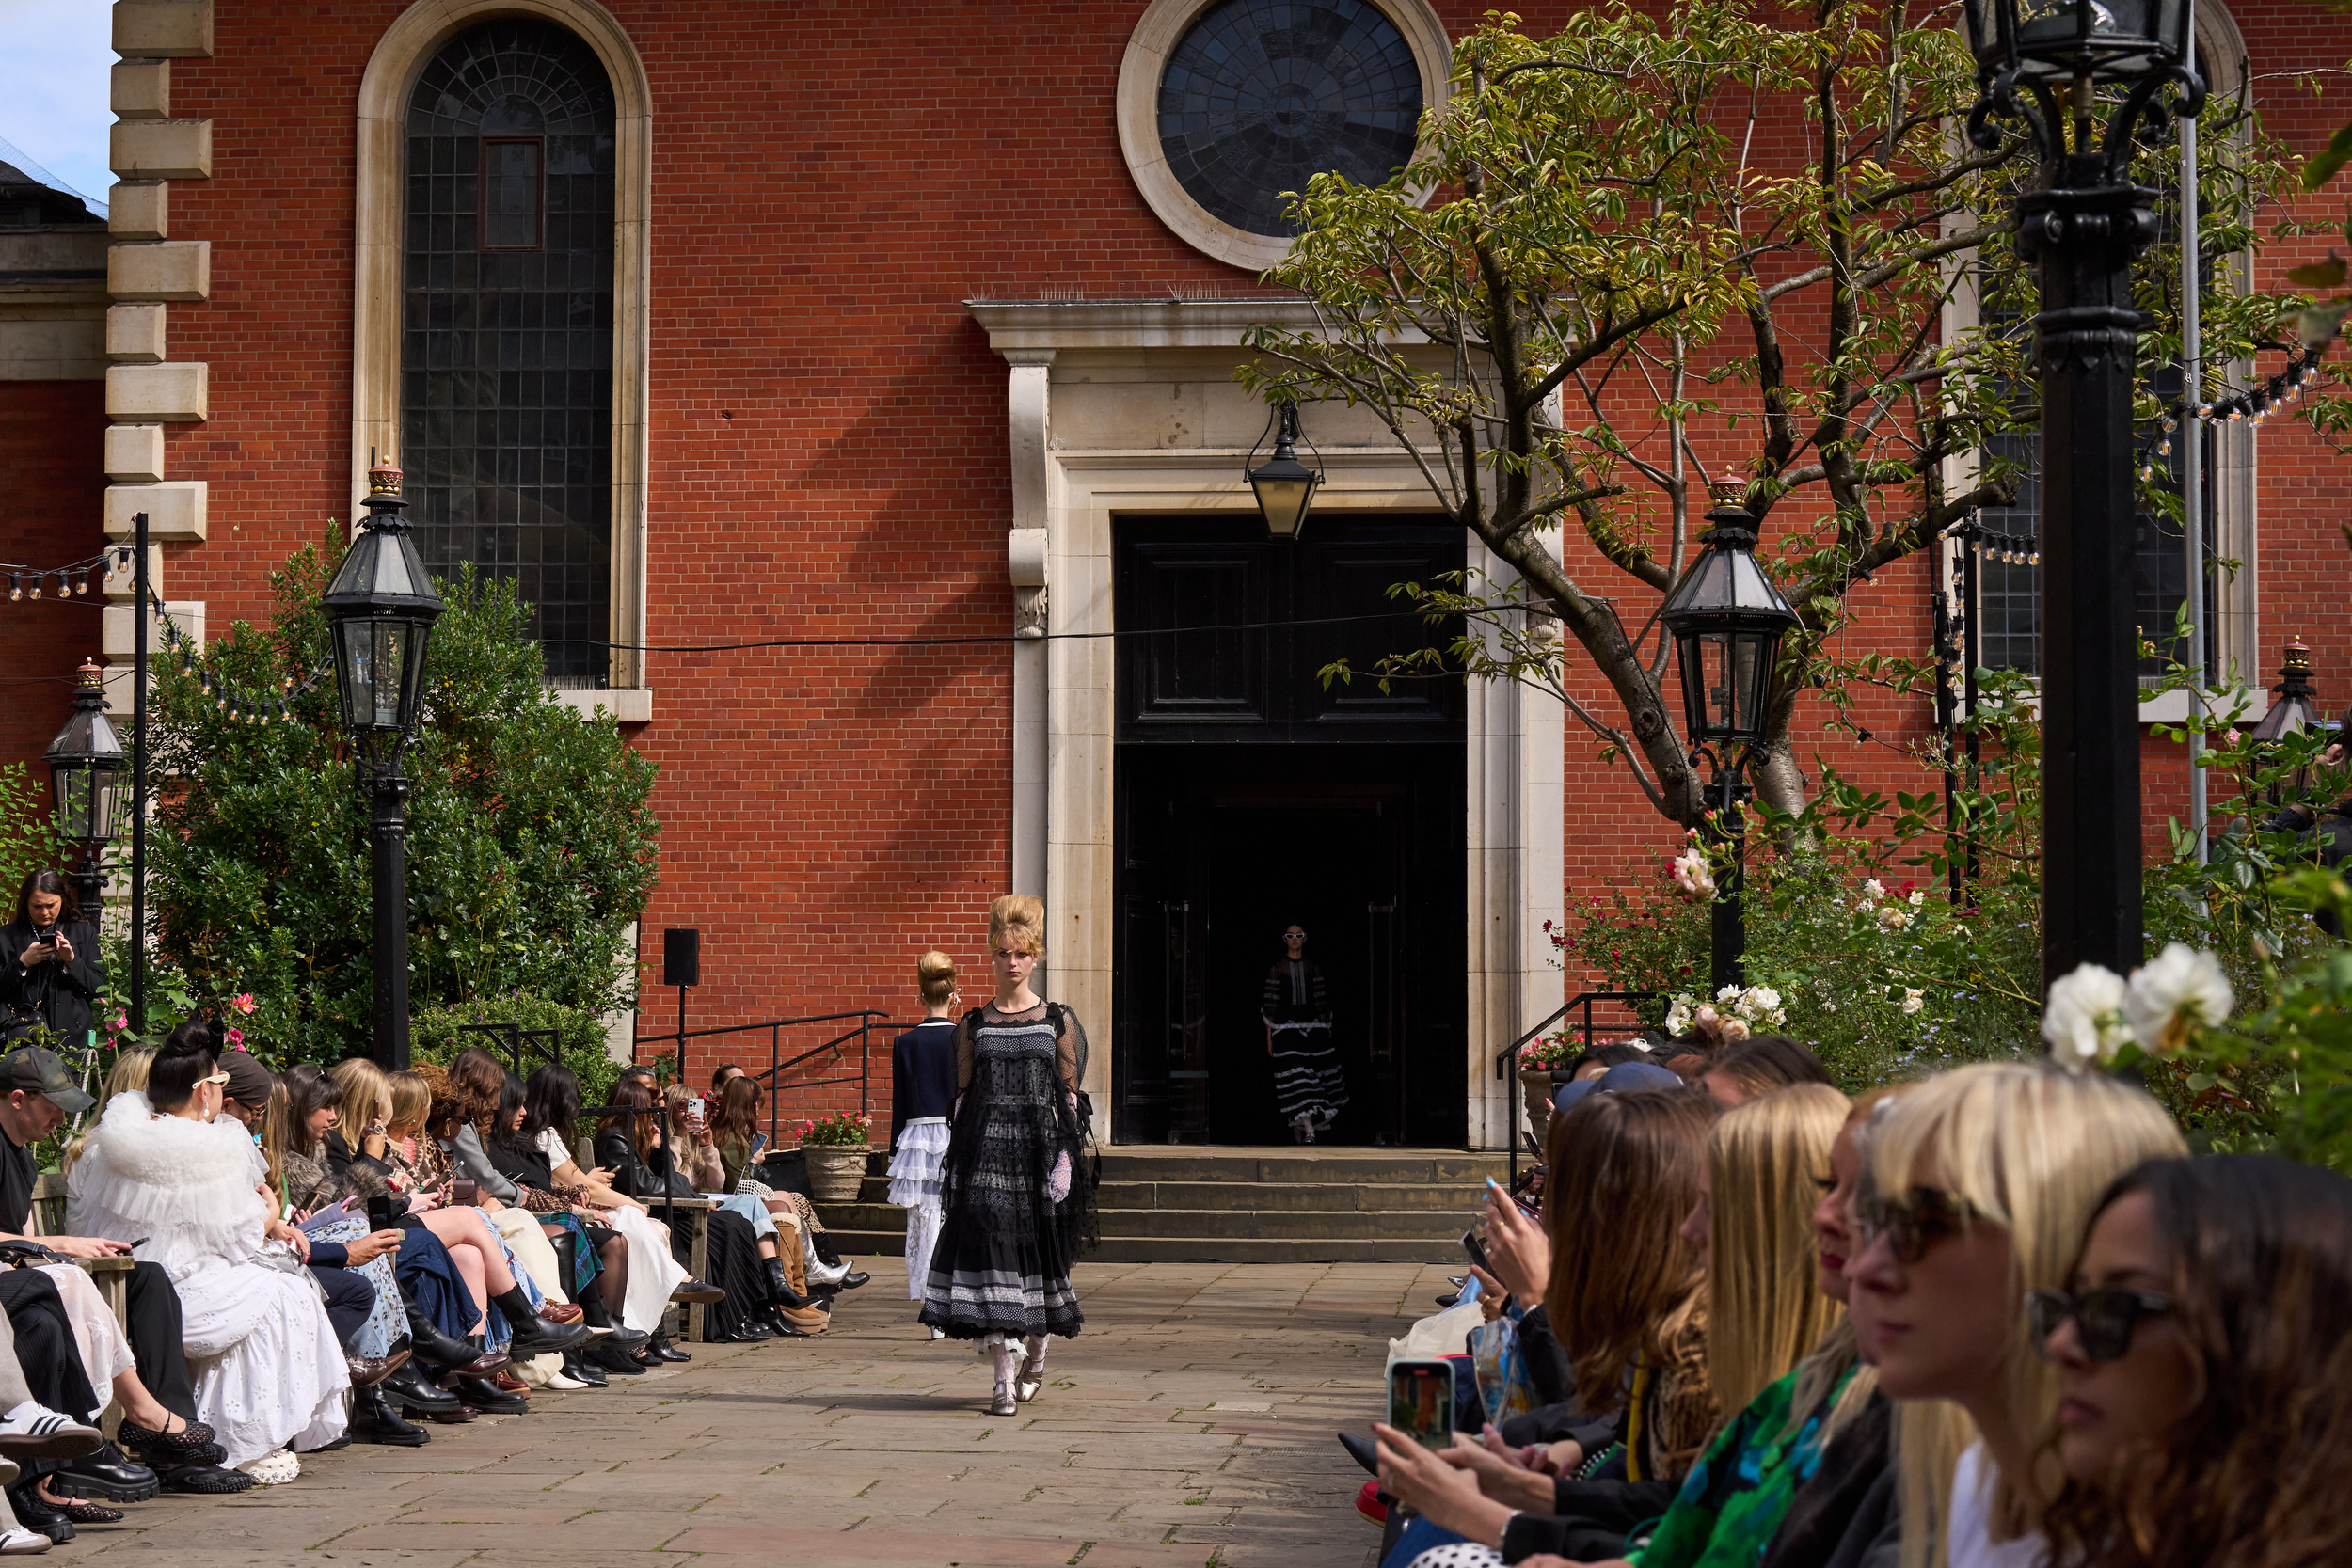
(49, 968)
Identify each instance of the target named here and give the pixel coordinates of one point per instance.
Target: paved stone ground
(1190, 1425)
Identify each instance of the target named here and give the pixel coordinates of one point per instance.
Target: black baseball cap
(43, 1072)
(248, 1080)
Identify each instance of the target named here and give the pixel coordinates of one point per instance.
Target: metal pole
(1971, 647)
(138, 785)
(2082, 232)
(1727, 936)
(2192, 436)
(1944, 655)
(387, 830)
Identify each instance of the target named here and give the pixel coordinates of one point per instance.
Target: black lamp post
(85, 769)
(2295, 711)
(2042, 62)
(381, 607)
(1284, 485)
(1727, 620)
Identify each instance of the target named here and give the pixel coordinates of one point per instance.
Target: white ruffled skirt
(914, 1171)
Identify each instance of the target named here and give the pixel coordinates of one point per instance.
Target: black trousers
(350, 1297)
(156, 1342)
(46, 1351)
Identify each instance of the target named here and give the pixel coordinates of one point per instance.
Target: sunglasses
(216, 1078)
(2104, 1319)
(1913, 1223)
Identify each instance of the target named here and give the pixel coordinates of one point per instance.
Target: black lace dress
(1005, 1244)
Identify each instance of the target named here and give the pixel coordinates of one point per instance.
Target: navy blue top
(922, 1074)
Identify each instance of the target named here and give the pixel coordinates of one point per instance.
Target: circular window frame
(1163, 26)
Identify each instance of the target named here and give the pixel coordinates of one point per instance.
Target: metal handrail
(863, 1031)
(1504, 1057)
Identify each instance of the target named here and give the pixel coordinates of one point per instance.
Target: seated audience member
(2203, 1348)
(146, 1369)
(742, 1259)
(721, 1076)
(1611, 1258)
(1757, 1065)
(247, 1096)
(1981, 1182)
(30, 1430)
(736, 1133)
(159, 1172)
(1592, 1063)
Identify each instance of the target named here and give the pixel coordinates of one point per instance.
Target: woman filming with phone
(49, 966)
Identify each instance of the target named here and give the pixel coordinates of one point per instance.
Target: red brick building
(770, 323)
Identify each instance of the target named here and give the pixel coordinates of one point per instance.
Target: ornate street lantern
(86, 766)
(2298, 707)
(1286, 486)
(1727, 620)
(381, 607)
(2108, 40)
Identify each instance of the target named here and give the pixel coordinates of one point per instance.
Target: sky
(54, 59)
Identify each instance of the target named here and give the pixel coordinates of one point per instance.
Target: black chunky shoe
(109, 1473)
(375, 1420)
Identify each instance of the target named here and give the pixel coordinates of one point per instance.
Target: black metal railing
(772, 1079)
(514, 1036)
(1506, 1058)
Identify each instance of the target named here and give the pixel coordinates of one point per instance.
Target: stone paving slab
(1189, 1427)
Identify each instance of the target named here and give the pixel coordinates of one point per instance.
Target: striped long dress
(1308, 1088)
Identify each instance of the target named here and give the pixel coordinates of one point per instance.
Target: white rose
(1690, 874)
(1679, 1016)
(2179, 986)
(1874, 889)
(1729, 994)
(1894, 916)
(1918, 896)
(2082, 1017)
(1914, 999)
(1757, 1002)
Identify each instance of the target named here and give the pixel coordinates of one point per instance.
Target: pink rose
(243, 1002)
(236, 1037)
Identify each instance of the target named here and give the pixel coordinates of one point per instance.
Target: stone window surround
(1064, 496)
(1162, 27)
(401, 55)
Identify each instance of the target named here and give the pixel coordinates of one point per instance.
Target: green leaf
(2323, 165)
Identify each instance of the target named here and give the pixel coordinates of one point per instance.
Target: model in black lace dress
(1015, 1195)
(1310, 1090)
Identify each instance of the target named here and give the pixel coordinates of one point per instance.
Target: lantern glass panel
(1983, 20)
(1283, 501)
(71, 784)
(372, 671)
(1727, 683)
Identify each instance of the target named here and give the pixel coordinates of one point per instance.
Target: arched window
(506, 337)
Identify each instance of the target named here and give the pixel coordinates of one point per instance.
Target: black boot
(429, 1343)
(780, 1286)
(534, 1334)
(375, 1420)
(614, 1360)
(662, 1349)
(593, 1313)
(488, 1398)
(410, 1389)
(44, 1518)
(109, 1473)
(580, 1369)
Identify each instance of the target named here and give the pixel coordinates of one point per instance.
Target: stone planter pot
(1535, 1086)
(834, 1171)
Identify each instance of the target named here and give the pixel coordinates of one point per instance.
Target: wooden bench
(683, 1319)
(112, 1276)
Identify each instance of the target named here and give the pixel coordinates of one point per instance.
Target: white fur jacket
(185, 1191)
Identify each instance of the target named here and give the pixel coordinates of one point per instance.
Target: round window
(1260, 96)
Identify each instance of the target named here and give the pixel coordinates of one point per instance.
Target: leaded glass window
(1260, 96)
(506, 328)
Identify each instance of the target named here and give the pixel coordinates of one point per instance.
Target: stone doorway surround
(1130, 406)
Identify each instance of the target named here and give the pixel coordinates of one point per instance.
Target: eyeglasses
(2104, 1319)
(1913, 1223)
(1293, 936)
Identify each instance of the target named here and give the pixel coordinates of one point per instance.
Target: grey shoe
(1003, 1405)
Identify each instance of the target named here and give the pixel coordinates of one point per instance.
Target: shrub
(438, 1034)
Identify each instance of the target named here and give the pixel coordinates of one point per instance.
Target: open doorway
(1249, 798)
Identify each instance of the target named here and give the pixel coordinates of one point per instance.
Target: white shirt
(1972, 1544)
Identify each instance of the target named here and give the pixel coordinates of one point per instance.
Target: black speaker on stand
(682, 967)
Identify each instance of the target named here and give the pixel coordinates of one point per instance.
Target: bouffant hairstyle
(1022, 917)
(2254, 1474)
(936, 972)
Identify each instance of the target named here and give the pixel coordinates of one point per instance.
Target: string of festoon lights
(79, 578)
(2251, 405)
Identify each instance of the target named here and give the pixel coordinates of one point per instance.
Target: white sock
(1001, 1353)
(1034, 1345)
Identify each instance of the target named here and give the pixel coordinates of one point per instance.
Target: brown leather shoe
(369, 1370)
(562, 1312)
(509, 1384)
(481, 1366)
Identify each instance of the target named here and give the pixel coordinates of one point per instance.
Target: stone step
(872, 1248)
(1451, 1197)
(1304, 1166)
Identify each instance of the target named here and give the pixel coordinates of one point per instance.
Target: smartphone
(464, 1192)
(380, 1214)
(1477, 1249)
(1420, 1401)
(694, 1106)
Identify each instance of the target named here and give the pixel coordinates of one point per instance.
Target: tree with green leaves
(531, 845)
(1725, 242)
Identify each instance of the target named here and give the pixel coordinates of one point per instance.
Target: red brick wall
(824, 197)
(53, 485)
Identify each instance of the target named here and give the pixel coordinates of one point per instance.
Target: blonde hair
(1839, 1351)
(1765, 1161)
(365, 1090)
(412, 1101)
(128, 1077)
(1022, 917)
(2032, 1149)
(936, 972)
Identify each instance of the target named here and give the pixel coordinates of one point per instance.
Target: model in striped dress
(1308, 1088)
(1016, 1199)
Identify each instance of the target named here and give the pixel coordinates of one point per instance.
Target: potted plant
(1540, 1063)
(836, 1148)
